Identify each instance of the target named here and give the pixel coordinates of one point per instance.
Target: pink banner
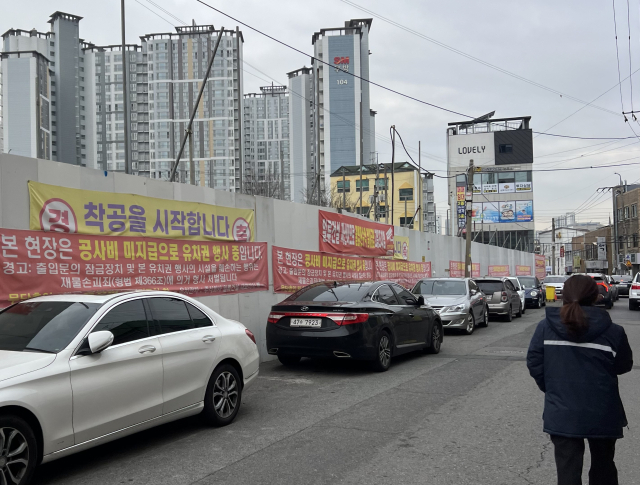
(456, 269)
(541, 270)
(350, 235)
(523, 270)
(499, 270)
(406, 273)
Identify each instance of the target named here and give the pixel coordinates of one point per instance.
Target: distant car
(557, 281)
(634, 293)
(520, 290)
(458, 301)
(623, 283)
(605, 288)
(79, 370)
(366, 321)
(533, 293)
(502, 297)
(613, 288)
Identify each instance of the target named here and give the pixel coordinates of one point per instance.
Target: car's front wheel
(223, 397)
(471, 324)
(485, 318)
(382, 361)
(18, 451)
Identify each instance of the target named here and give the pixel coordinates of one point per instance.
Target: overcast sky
(567, 46)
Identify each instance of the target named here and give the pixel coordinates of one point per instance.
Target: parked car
(366, 321)
(634, 293)
(613, 288)
(78, 371)
(502, 297)
(520, 290)
(623, 283)
(533, 293)
(458, 301)
(606, 290)
(557, 281)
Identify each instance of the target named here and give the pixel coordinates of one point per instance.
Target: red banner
(523, 270)
(499, 270)
(350, 235)
(35, 263)
(456, 269)
(406, 273)
(541, 270)
(294, 269)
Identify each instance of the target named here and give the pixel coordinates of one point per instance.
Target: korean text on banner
(294, 269)
(499, 270)
(35, 263)
(350, 235)
(456, 269)
(60, 209)
(400, 247)
(406, 273)
(523, 270)
(541, 270)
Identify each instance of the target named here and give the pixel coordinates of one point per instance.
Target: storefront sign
(540, 266)
(523, 186)
(350, 235)
(524, 210)
(489, 188)
(406, 273)
(499, 270)
(477, 146)
(35, 263)
(507, 188)
(74, 211)
(507, 211)
(456, 269)
(602, 248)
(490, 213)
(400, 247)
(523, 270)
(476, 212)
(460, 207)
(293, 269)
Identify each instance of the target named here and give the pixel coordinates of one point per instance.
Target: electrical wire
(630, 80)
(155, 13)
(615, 29)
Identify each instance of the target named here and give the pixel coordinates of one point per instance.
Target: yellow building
(406, 185)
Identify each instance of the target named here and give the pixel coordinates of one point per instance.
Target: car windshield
(490, 287)
(440, 287)
(327, 292)
(555, 279)
(527, 282)
(47, 326)
(623, 278)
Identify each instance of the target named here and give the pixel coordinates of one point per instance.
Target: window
(127, 322)
(170, 315)
(619, 214)
(440, 287)
(626, 212)
(382, 183)
(365, 185)
(405, 297)
(406, 222)
(509, 285)
(507, 148)
(344, 186)
(199, 319)
(634, 210)
(384, 294)
(406, 194)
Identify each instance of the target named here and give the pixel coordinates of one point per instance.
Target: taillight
(274, 317)
(338, 318)
(250, 335)
(604, 285)
(504, 296)
(635, 286)
(350, 318)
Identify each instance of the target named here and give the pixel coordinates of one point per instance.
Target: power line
(155, 13)
(166, 11)
(615, 29)
(630, 80)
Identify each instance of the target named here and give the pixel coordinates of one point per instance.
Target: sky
(566, 47)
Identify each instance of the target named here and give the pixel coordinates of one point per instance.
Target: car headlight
(454, 308)
(534, 293)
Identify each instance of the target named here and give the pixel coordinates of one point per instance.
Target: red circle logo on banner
(241, 230)
(58, 216)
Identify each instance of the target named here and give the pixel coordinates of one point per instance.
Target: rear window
(440, 287)
(623, 278)
(326, 292)
(490, 287)
(527, 282)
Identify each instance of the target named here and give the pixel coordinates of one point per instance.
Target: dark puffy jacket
(579, 375)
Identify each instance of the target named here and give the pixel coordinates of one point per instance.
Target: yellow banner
(400, 247)
(60, 209)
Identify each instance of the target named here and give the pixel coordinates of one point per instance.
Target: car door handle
(207, 339)
(147, 349)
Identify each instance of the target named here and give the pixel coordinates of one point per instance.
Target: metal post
(172, 175)
(360, 189)
(361, 152)
(467, 256)
(386, 198)
(553, 245)
(375, 195)
(281, 173)
(192, 165)
(420, 188)
(393, 159)
(125, 96)
(344, 191)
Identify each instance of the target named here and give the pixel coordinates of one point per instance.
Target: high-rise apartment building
(266, 143)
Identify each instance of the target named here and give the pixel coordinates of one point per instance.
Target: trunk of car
(314, 316)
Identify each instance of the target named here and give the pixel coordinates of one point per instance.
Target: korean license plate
(306, 322)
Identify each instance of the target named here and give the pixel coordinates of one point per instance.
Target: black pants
(569, 454)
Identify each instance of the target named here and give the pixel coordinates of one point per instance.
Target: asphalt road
(470, 415)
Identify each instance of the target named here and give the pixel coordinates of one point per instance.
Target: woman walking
(575, 356)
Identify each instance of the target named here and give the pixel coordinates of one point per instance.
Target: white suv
(634, 293)
(77, 371)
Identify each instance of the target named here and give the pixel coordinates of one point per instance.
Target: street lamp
(616, 173)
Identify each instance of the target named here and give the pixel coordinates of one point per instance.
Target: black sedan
(365, 321)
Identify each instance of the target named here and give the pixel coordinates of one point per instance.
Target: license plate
(306, 322)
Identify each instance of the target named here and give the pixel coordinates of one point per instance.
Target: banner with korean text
(406, 273)
(294, 269)
(499, 270)
(349, 235)
(541, 270)
(400, 247)
(456, 269)
(523, 270)
(75, 211)
(34, 263)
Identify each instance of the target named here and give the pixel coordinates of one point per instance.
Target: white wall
(278, 222)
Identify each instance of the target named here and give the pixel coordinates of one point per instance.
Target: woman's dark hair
(579, 290)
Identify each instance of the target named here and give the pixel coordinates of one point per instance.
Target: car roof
(490, 278)
(99, 299)
(458, 278)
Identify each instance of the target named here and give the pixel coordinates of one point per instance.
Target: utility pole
(281, 173)
(420, 193)
(361, 189)
(172, 175)
(375, 195)
(386, 198)
(553, 245)
(406, 224)
(344, 191)
(616, 221)
(192, 166)
(125, 96)
(469, 201)
(393, 175)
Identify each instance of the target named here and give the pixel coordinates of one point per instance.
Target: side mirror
(473, 292)
(421, 300)
(99, 341)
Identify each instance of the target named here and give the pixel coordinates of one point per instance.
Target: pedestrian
(575, 356)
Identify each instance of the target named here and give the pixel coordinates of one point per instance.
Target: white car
(521, 292)
(77, 371)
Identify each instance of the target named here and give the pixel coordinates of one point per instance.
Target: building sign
(523, 187)
(541, 270)
(400, 247)
(602, 248)
(490, 213)
(406, 273)
(507, 188)
(35, 263)
(524, 210)
(476, 212)
(489, 188)
(499, 270)
(478, 146)
(523, 270)
(350, 235)
(341, 63)
(576, 261)
(507, 211)
(74, 211)
(460, 207)
(293, 269)
(456, 269)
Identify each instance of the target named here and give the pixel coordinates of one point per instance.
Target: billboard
(490, 213)
(541, 270)
(507, 211)
(524, 210)
(478, 146)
